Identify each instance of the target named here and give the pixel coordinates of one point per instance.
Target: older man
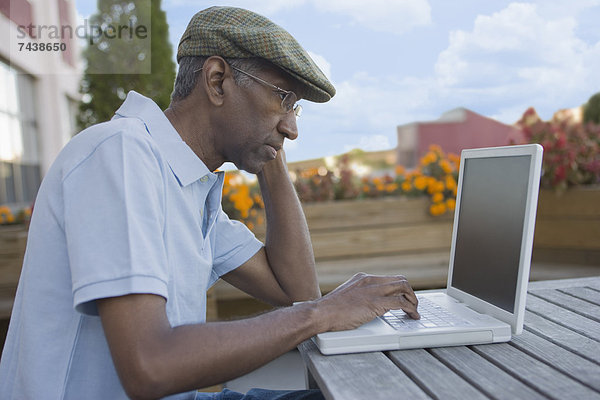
(128, 234)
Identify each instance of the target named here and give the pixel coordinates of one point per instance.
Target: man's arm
(284, 272)
(154, 360)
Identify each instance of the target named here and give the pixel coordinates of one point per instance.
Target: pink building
(455, 130)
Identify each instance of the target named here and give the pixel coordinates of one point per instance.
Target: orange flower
(406, 186)
(437, 197)
(429, 158)
(454, 159)
(435, 186)
(400, 170)
(451, 204)
(437, 209)
(436, 148)
(446, 166)
(450, 182)
(420, 183)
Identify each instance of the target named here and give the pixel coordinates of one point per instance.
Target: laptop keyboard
(432, 316)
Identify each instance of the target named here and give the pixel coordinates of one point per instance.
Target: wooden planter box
(568, 227)
(379, 236)
(13, 239)
(392, 235)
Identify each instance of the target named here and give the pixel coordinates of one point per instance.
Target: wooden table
(556, 357)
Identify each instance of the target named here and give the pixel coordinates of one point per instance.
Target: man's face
(257, 126)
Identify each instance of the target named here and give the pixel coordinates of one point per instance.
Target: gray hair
(186, 78)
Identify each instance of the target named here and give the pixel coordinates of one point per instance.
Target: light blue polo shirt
(127, 207)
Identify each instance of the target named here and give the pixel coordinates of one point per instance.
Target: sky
(395, 62)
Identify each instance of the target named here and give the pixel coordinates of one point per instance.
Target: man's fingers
(400, 287)
(409, 307)
(402, 303)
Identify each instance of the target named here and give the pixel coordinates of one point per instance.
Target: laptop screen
(490, 228)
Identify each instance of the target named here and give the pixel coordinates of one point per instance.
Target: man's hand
(364, 297)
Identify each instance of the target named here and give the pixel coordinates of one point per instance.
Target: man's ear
(213, 76)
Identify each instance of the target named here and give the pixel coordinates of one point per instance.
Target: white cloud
(322, 63)
(520, 55)
(377, 102)
(370, 143)
(263, 7)
(392, 16)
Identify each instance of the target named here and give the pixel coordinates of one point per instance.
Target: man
(128, 234)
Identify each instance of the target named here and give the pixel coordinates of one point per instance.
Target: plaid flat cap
(237, 33)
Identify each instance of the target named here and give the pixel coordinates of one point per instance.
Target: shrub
(591, 110)
(571, 150)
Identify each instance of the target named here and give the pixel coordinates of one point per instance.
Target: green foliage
(591, 110)
(142, 61)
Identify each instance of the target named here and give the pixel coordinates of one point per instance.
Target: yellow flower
(429, 158)
(454, 159)
(437, 197)
(391, 187)
(446, 166)
(420, 183)
(406, 186)
(435, 186)
(450, 182)
(436, 148)
(451, 204)
(437, 209)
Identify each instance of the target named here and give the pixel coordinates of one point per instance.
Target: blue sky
(395, 62)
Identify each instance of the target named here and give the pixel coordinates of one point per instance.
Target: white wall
(55, 80)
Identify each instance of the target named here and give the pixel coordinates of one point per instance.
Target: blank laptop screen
(490, 228)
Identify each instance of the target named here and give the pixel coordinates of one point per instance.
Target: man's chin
(254, 168)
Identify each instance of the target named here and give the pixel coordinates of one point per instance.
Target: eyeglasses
(288, 98)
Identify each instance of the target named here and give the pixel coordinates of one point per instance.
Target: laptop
(490, 256)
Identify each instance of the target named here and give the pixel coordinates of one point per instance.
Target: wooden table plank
(566, 318)
(486, 377)
(433, 376)
(354, 376)
(569, 302)
(584, 293)
(536, 374)
(564, 337)
(569, 363)
(592, 282)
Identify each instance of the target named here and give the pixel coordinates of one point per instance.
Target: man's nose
(287, 126)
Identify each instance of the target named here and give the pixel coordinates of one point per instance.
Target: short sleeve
(114, 217)
(234, 245)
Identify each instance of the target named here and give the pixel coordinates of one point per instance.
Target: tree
(128, 49)
(591, 110)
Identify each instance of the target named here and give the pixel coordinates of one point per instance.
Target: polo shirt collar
(184, 163)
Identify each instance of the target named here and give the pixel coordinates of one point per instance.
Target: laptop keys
(432, 316)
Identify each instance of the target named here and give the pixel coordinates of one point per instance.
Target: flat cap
(237, 33)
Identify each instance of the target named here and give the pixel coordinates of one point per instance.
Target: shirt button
(204, 179)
